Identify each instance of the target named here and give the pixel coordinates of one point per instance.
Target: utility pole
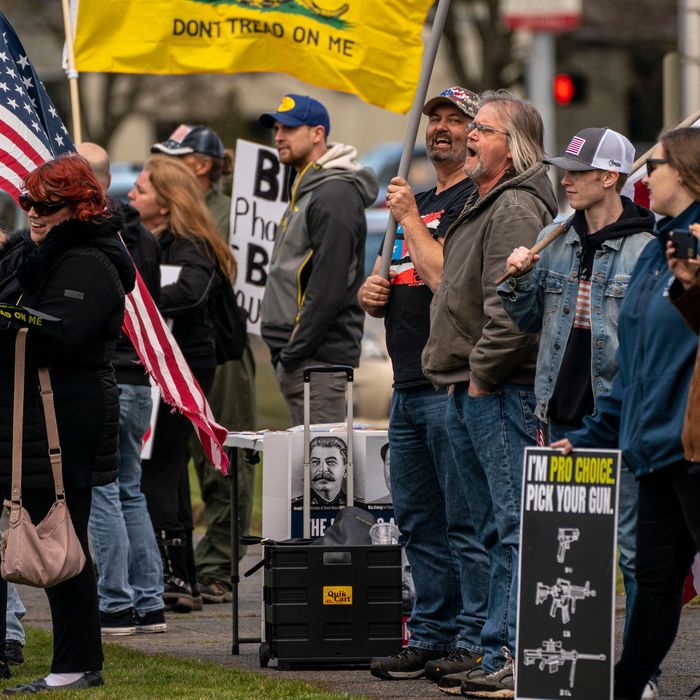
(539, 77)
(689, 50)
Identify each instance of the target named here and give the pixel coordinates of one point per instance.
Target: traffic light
(569, 89)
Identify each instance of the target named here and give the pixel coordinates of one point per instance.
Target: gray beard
(475, 171)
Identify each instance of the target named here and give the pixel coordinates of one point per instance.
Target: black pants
(164, 479)
(77, 645)
(668, 536)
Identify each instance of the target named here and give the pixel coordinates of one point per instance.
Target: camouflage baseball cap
(460, 97)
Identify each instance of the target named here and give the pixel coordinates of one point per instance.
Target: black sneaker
(13, 651)
(408, 663)
(214, 590)
(456, 661)
(117, 624)
(177, 595)
(452, 683)
(499, 684)
(151, 622)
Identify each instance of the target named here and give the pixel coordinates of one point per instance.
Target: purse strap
(18, 417)
(18, 421)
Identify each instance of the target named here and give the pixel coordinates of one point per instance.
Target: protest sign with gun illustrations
(568, 545)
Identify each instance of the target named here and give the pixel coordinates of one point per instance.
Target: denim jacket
(544, 300)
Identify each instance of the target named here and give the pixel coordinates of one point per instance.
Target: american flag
(575, 146)
(31, 132)
(30, 129)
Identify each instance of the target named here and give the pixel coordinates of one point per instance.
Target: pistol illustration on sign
(551, 656)
(566, 536)
(564, 596)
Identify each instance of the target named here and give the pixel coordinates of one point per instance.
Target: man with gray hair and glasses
(487, 364)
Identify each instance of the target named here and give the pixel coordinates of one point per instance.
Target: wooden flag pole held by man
(414, 117)
(72, 75)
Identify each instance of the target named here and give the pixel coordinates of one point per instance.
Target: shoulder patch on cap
(574, 148)
(287, 104)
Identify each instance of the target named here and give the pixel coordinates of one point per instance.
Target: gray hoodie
(310, 307)
(470, 333)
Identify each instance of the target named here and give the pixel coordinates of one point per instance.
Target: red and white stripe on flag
(164, 361)
(641, 196)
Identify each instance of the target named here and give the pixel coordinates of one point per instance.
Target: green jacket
(470, 333)
(219, 206)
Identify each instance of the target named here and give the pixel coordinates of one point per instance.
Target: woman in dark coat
(70, 264)
(643, 414)
(171, 205)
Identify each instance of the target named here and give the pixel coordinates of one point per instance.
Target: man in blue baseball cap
(310, 314)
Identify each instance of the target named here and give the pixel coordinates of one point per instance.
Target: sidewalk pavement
(207, 636)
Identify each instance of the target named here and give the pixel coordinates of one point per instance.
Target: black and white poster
(566, 600)
(283, 478)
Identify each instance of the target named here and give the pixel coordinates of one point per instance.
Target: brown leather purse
(46, 554)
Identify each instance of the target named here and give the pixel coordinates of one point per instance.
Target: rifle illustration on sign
(564, 596)
(551, 656)
(566, 536)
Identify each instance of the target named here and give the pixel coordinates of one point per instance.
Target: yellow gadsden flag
(371, 48)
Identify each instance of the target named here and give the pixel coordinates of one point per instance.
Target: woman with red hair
(70, 264)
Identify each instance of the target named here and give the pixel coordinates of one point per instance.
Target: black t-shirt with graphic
(407, 320)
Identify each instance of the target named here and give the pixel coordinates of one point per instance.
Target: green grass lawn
(131, 674)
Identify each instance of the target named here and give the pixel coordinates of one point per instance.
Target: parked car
(384, 160)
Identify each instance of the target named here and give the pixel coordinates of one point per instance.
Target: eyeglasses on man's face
(41, 208)
(485, 128)
(653, 164)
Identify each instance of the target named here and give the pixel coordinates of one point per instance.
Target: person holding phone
(643, 415)
(685, 294)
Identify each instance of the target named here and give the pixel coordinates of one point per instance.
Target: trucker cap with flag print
(297, 110)
(460, 97)
(191, 139)
(596, 149)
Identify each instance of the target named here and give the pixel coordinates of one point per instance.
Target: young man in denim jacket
(572, 294)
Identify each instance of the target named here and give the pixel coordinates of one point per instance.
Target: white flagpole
(72, 74)
(413, 122)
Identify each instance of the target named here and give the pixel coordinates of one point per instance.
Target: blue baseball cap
(297, 110)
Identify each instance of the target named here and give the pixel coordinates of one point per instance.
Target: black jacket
(145, 252)
(188, 300)
(80, 274)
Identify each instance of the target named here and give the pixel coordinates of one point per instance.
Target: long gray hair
(523, 124)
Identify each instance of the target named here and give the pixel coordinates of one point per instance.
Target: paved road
(207, 636)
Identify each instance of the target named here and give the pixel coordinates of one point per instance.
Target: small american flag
(575, 146)
(31, 132)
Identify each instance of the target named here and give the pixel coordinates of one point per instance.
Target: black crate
(331, 605)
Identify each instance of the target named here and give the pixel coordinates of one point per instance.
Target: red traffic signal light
(569, 88)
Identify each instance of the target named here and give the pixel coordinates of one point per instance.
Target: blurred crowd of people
(591, 343)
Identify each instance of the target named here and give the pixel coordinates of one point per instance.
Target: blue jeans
(626, 523)
(126, 554)
(15, 612)
(488, 436)
(449, 566)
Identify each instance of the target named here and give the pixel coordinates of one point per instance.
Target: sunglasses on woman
(653, 164)
(41, 208)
